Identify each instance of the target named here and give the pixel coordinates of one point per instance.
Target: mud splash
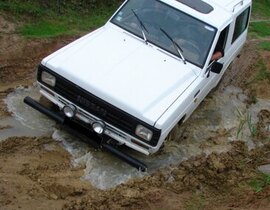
(223, 117)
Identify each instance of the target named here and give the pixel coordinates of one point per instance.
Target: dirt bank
(203, 182)
(37, 172)
(19, 58)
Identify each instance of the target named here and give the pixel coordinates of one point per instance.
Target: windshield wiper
(141, 25)
(176, 46)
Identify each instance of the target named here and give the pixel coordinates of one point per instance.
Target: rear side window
(241, 24)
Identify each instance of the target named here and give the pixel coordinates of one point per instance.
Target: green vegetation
(265, 45)
(260, 183)
(242, 120)
(22, 8)
(260, 29)
(58, 17)
(251, 126)
(44, 29)
(261, 8)
(245, 119)
(66, 17)
(260, 13)
(263, 73)
(197, 202)
(65, 25)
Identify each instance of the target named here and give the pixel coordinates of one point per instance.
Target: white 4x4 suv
(147, 69)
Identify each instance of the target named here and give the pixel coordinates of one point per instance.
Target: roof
(219, 17)
(225, 3)
(228, 4)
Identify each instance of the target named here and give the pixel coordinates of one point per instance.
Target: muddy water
(24, 121)
(223, 117)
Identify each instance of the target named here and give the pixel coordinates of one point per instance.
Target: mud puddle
(24, 121)
(223, 117)
(11, 127)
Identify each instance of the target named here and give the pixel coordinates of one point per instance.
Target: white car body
(142, 79)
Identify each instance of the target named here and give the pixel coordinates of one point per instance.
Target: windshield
(192, 35)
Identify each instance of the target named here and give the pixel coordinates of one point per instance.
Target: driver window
(220, 47)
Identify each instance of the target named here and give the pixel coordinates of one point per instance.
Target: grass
(242, 120)
(251, 126)
(44, 29)
(63, 26)
(262, 73)
(44, 19)
(260, 29)
(260, 9)
(260, 12)
(197, 202)
(22, 8)
(260, 183)
(245, 119)
(265, 45)
(67, 17)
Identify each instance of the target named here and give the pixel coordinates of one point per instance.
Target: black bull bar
(93, 139)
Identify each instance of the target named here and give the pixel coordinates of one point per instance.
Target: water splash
(101, 169)
(210, 129)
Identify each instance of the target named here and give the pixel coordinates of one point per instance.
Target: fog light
(98, 127)
(69, 110)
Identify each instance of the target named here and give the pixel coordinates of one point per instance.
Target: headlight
(144, 132)
(48, 78)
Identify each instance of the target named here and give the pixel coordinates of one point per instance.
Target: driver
(218, 52)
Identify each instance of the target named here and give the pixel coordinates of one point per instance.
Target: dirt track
(36, 173)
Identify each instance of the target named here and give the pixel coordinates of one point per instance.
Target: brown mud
(36, 173)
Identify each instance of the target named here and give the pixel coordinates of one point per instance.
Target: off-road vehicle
(132, 80)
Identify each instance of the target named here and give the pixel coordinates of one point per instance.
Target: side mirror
(216, 67)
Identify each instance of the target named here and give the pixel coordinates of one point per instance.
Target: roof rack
(241, 2)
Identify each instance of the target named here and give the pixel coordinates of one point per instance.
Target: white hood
(124, 71)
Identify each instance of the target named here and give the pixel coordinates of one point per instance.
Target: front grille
(98, 107)
(91, 104)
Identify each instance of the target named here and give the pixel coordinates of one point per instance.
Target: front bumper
(95, 140)
(88, 119)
